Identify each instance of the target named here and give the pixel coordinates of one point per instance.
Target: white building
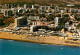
(70, 5)
(67, 25)
(56, 8)
(32, 7)
(44, 8)
(32, 28)
(33, 17)
(24, 6)
(62, 11)
(56, 21)
(8, 12)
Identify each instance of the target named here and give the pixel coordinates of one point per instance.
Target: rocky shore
(46, 40)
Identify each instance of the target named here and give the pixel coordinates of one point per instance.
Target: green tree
(1, 22)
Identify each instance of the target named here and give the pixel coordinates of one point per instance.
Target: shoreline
(43, 40)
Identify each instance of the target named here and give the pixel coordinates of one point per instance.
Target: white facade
(24, 6)
(56, 20)
(66, 25)
(44, 8)
(78, 32)
(33, 17)
(32, 6)
(32, 28)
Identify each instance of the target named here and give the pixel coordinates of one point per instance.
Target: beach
(39, 39)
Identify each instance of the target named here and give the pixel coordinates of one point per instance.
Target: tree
(1, 22)
(50, 17)
(78, 26)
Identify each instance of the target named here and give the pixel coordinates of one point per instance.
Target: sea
(10, 47)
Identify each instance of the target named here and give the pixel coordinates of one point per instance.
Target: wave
(62, 48)
(1, 39)
(10, 40)
(44, 44)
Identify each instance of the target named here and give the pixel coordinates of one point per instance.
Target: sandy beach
(45, 40)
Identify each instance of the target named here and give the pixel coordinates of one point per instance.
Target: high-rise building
(24, 6)
(56, 21)
(32, 6)
(8, 12)
(20, 21)
(5, 12)
(56, 8)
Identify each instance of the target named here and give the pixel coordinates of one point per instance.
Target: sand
(46, 40)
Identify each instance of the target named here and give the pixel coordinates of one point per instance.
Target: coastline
(55, 40)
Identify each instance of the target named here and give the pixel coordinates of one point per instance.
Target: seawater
(26, 48)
